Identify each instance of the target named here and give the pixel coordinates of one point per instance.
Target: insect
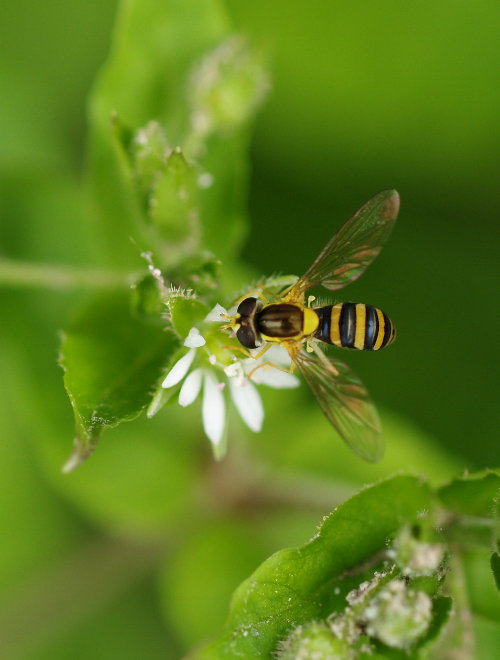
(285, 318)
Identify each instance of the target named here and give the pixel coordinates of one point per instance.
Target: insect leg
(243, 350)
(268, 363)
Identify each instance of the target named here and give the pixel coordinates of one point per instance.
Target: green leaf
(474, 501)
(473, 495)
(295, 585)
(112, 361)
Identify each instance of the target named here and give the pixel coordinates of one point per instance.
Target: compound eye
(246, 336)
(247, 307)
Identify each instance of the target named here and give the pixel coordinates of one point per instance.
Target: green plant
(402, 569)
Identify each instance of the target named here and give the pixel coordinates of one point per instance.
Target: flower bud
(313, 640)
(416, 558)
(398, 615)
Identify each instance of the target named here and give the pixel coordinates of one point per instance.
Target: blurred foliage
(135, 554)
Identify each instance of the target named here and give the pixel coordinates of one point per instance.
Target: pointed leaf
(112, 362)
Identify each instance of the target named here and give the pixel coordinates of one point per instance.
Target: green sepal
(174, 205)
(146, 300)
(161, 398)
(148, 153)
(186, 312)
(200, 272)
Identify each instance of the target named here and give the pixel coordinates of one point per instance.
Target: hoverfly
(286, 319)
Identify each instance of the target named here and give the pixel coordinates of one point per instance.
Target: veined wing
(355, 245)
(344, 400)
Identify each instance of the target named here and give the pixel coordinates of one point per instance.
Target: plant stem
(60, 278)
(458, 642)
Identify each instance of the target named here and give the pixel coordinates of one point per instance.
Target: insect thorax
(280, 320)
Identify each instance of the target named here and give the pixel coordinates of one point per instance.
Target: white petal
(179, 370)
(213, 409)
(190, 388)
(278, 355)
(215, 314)
(275, 378)
(248, 403)
(194, 339)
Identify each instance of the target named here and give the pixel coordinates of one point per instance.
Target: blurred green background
(365, 96)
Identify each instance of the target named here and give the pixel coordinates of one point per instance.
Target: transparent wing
(353, 247)
(344, 400)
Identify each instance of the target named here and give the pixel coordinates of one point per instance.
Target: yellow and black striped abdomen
(354, 325)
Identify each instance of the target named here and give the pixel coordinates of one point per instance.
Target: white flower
(190, 388)
(194, 339)
(213, 409)
(179, 370)
(248, 403)
(240, 375)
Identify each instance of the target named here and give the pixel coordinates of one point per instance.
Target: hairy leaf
(296, 585)
(112, 361)
(475, 495)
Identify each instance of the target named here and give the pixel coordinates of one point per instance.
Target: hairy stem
(59, 278)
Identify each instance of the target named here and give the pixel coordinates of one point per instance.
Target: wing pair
(340, 394)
